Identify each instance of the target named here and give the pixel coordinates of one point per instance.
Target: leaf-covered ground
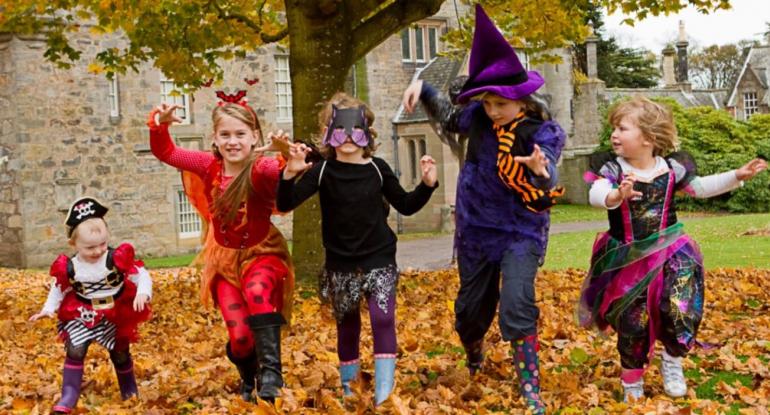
(182, 369)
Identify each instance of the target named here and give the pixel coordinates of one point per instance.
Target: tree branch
(256, 27)
(358, 10)
(268, 38)
(387, 21)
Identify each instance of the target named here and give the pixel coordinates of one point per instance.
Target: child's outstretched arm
(439, 108)
(292, 192)
(716, 184)
(408, 203)
(163, 147)
(52, 303)
(143, 287)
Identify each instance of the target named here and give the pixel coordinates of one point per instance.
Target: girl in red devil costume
(247, 269)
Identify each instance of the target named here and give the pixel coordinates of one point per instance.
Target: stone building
(751, 91)
(69, 133)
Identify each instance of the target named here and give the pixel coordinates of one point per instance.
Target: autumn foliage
(182, 368)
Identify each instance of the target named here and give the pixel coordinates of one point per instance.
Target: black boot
(267, 336)
(474, 355)
(247, 368)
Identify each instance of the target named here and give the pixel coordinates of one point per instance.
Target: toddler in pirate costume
(101, 294)
(360, 246)
(504, 190)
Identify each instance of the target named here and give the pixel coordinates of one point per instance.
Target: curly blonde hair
(655, 120)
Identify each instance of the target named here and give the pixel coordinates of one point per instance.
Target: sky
(745, 20)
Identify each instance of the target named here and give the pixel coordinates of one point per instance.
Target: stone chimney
(681, 52)
(591, 59)
(669, 74)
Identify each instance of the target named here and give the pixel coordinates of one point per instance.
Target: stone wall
(559, 88)
(583, 141)
(11, 229)
(70, 146)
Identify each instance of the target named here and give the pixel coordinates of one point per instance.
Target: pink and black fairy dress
(646, 275)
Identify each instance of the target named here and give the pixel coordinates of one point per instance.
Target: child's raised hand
(140, 301)
(624, 191)
(279, 141)
(537, 162)
(166, 114)
(750, 169)
(296, 163)
(412, 95)
(429, 172)
(40, 315)
(626, 188)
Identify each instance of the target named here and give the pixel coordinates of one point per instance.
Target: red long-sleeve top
(265, 175)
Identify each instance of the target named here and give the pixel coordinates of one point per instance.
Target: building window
(433, 42)
(114, 97)
(412, 160)
(283, 88)
(189, 223)
(169, 94)
(420, 43)
(406, 46)
(416, 148)
(750, 106)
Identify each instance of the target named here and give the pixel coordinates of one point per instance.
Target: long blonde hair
(226, 205)
(656, 121)
(342, 100)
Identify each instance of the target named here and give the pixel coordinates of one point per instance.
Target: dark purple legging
(383, 330)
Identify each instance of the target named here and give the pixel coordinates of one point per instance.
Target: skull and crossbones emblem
(84, 209)
(86, 316)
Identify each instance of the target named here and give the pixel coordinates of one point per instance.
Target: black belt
(102, 303)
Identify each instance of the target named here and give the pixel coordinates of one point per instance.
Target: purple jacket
(490, 218)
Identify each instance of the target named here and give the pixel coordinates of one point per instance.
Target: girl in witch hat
(247, 268)
(504, 191)
(100, 294)
(360, 247)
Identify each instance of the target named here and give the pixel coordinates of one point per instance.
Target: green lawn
(169, 261)
(721, 238)
(576, 213)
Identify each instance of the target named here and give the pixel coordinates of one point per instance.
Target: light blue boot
(348, 373)
(384, 369)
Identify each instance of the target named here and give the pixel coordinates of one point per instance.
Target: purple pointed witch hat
(494, 66)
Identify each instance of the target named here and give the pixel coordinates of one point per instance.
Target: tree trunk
(318, 65)
(327, 37)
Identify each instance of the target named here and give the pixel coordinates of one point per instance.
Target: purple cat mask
(347, 122)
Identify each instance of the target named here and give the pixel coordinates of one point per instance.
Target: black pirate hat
(83, 209)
